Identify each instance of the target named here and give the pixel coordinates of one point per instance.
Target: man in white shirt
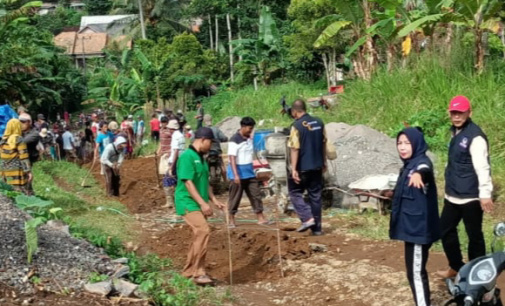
(468, 187)
(111, 159)
(68, 144)
(177, 145)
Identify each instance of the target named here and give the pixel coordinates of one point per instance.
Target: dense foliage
(192, 48)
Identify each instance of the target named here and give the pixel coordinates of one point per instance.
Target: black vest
(310, 131)
(461, 180)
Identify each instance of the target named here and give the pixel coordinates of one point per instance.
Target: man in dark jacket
(308, 161)
(468, 187)
(30, 136)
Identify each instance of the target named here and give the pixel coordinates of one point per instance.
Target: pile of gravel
(361, 151)
(229, 125)
(61, 261)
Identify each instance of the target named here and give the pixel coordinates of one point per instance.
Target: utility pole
(141, 15)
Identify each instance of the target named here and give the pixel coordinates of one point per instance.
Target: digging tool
(227, 216)
(87, 174)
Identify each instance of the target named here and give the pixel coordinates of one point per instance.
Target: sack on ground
(163, 166)
(331, 151)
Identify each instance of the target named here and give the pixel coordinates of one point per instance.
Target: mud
(255, 253)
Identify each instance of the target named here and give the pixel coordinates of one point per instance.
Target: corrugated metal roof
(104, 19)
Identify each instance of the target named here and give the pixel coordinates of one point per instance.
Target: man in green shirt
(192, 196)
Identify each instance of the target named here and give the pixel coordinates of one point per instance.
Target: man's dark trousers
(312, 181)
(471, 213)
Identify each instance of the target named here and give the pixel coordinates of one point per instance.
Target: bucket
(259, 139)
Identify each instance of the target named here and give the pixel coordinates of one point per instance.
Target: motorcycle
(216, 174)
(475, 283)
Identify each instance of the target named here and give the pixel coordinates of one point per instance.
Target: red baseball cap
(459, 104)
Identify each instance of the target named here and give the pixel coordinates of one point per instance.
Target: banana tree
(357, 17)
(479, 15)
(264, 53)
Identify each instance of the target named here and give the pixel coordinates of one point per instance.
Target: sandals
(202, 280)
(231, 226)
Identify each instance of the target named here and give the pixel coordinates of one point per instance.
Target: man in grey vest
(468, 187)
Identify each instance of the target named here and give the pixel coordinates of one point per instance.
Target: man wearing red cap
(468, 186)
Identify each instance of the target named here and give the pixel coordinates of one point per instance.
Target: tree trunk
(217, 34)
(479, 51)
(390, 57)
(230, 47)
(503, 39)
(369, 45)
(448, 39)
(255, 80)
(239, 32)
(333, 67)
(326, 68)
(210, 34)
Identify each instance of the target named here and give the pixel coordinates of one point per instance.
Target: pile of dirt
(140, 191)
(229, 125)
(362, 151)
(61, 261)
(254, 251)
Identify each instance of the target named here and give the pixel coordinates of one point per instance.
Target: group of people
(468, 194)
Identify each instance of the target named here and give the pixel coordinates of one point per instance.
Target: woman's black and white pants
(416, 257)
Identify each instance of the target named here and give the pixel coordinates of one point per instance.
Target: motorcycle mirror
(499, 229)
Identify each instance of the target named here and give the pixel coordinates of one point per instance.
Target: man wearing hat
(468, 186)
(192, 196)
(111, 159)
(30, 136)
(41, 123)
(215, 149)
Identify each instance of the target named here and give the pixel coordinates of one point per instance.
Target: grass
(80, 203)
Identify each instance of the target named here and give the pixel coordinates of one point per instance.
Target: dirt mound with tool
(255, 254)
(140, 189)
(361, 151)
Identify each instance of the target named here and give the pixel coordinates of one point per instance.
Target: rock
(59, 226)
(316, 247)
(124, 288)
(101, 288)
(122, 271)
(140, 294)
(229, 125)
(122, 260)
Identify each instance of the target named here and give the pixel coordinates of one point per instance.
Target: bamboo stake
(227, 216)
(278, 223)
(87, 174)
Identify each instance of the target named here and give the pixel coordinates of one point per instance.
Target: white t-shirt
(178, 143)
(68, 140)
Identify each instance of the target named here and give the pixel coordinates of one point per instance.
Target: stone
(122, 260)
(124, 288)
(101, 288)
(121, 272)
(316, 247)
(140, 294)
(59, 226)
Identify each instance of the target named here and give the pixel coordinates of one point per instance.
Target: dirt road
(351, 271)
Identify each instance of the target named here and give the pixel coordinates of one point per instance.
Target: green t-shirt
(191, 166)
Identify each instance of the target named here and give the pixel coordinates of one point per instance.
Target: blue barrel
(259, 139)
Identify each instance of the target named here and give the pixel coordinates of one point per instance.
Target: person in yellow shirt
(16, 167)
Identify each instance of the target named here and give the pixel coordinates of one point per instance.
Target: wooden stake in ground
(156, 167)
(87, 174)
(226, 213)
(278, 223)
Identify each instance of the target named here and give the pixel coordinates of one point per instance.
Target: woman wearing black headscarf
(414, 216)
